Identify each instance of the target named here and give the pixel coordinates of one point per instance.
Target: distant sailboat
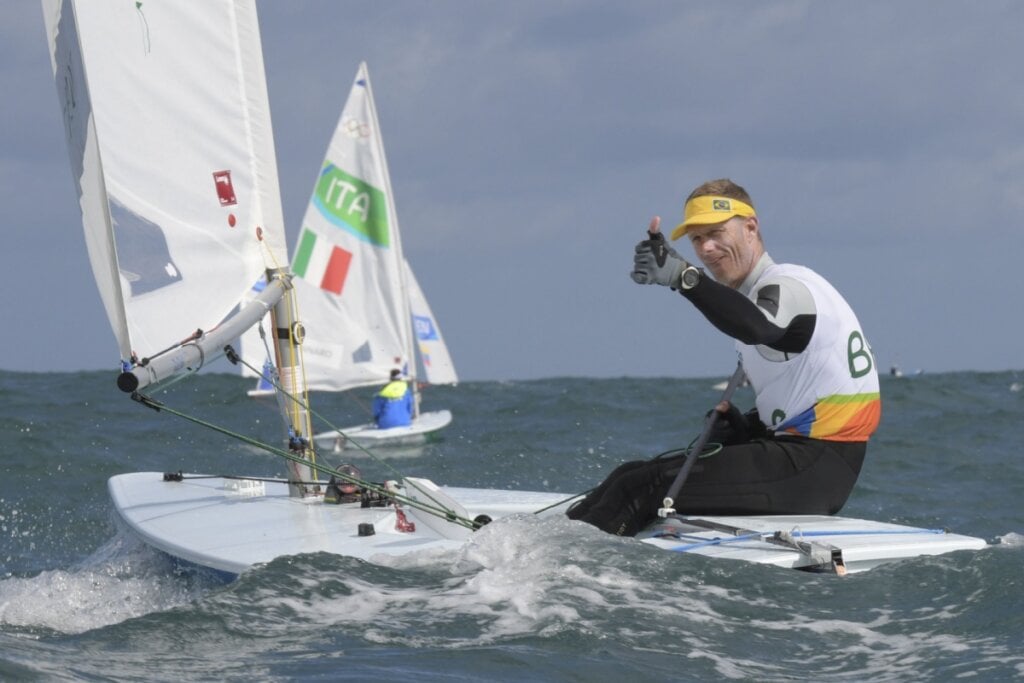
(363, 310)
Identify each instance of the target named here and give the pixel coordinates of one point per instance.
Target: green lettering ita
(348, 202)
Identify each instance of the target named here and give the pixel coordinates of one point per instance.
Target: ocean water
(526, 599)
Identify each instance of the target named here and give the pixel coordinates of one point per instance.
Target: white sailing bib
(828, 391)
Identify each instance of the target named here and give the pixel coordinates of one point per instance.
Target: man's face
(730, 250)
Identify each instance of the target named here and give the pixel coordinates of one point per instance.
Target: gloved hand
(656, 263)
(733, 427)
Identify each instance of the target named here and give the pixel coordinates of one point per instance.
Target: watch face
(691, 276)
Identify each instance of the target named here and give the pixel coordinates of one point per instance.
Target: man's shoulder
(787, 275)
(791, 276)
(791, 270)
(782, 291)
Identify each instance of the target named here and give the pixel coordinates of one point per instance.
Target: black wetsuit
(756, 472)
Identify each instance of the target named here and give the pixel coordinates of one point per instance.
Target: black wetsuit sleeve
(742, 319)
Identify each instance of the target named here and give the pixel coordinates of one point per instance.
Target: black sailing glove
(656, 263)
(734, 427)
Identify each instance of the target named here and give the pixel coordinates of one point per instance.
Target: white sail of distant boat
(436, 362)
(168, 129)
(363, 310)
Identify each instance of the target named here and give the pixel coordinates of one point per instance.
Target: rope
(303, 404)
(282, 392)
(437, 510)
(761, 535)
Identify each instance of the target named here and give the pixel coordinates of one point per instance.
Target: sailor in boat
(800, 449)
(393, 405)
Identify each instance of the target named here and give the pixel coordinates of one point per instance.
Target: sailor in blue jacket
(392, 407)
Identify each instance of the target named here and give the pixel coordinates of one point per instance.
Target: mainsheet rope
(234, 357)
(437, 510)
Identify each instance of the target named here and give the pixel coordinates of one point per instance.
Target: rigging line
(282, 392)
(797, 533)
(179, 476)
(765, 535)
(266, 344)
(363, 405)
(717, 541)
(305, 405)
(286, 394)
(282, 410)
(272, 377)
(563, 502)
(275, 264)
(198, 334)
(438, 510)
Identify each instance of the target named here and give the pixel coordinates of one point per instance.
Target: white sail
(168, 126)
(433, 354)
(348, 259)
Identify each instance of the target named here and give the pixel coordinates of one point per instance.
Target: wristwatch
(689, 278)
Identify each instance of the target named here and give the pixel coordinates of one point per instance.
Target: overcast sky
(529, 144)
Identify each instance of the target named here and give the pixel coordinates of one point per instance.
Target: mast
(288, 334)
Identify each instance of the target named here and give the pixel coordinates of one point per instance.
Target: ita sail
(363, 310)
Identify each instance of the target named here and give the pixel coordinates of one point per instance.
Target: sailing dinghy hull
(231, 525)
(840, 545)
(371, 436)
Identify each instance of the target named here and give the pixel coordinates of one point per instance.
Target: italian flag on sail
(319, 261)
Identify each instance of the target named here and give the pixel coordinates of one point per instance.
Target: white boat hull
(231, 525)
(811, 542)
(370, 435)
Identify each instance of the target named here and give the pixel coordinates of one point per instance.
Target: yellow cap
(710, 209)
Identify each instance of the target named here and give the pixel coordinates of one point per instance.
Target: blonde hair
(723, 187)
